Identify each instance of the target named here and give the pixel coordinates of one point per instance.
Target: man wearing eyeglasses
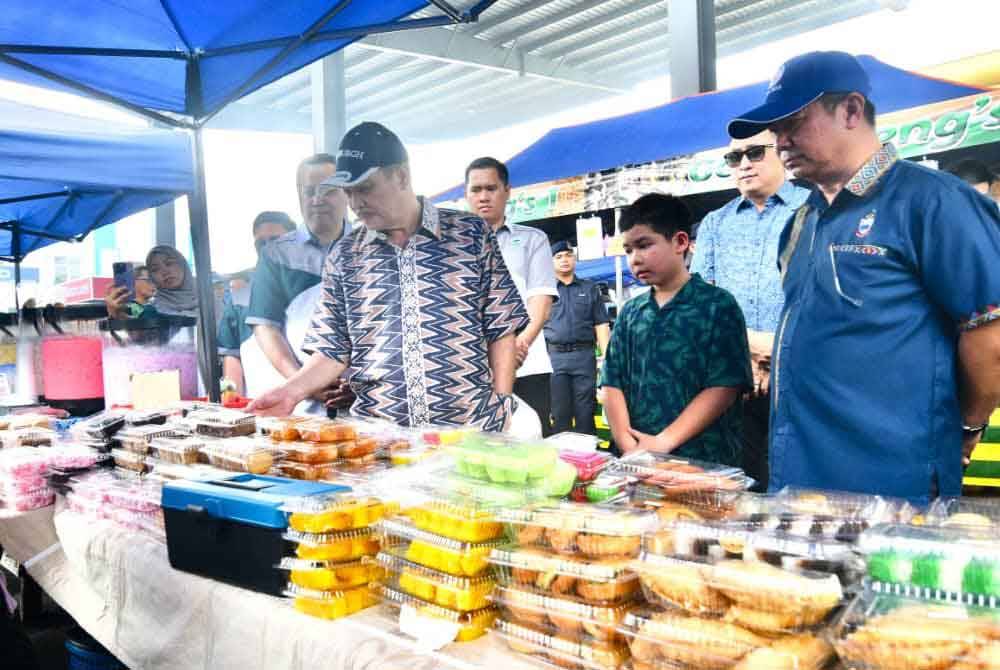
(285, 287)
(738, 251)
(886, 362)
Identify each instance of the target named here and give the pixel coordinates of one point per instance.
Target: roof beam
(611, 20)
(450, 46)
(497, 19)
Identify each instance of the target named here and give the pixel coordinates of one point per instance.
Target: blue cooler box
(230, 529)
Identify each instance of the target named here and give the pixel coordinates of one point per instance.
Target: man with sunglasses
(738, 251)
(886, 363)
(285, 288)
(233, 328)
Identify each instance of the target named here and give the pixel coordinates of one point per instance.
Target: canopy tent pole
(619, 289)
(198, 215)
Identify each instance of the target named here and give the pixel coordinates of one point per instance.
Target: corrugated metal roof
(533, 57)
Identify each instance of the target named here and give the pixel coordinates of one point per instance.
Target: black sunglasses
(754, 152)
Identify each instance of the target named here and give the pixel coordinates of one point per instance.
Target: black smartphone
(124, 276)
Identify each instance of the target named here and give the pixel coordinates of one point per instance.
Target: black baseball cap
(364, 149)
(799, 82)
(562, 245)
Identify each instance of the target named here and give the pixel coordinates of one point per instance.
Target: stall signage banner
(916, 132)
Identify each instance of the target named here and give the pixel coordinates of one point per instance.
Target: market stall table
(119, 586)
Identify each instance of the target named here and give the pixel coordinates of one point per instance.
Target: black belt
(573, 346)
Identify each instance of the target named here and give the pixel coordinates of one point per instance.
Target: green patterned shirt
(660, 358)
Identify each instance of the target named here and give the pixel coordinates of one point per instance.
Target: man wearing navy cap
(577, 319)
(886, 363)
(417, 309)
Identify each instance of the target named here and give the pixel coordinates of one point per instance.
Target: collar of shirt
(865, 180)
(682, 296)
(305, 236)
(782, 195)
(429, 221)
(575, 280)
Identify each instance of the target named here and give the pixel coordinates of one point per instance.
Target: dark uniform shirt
(878, 286)
(233, 327)
(660, 358)
(580, 307)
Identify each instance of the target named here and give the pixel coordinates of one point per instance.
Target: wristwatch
(969, 431)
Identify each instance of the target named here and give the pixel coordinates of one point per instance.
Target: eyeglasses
(754, 152)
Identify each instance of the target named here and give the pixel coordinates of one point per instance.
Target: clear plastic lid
(399, 530)
(502, 460)
(143, 417)
(472, 624)
(311, 452)
(73, 457)
(879, 632)
(100, 426)
(180, 450)
(330, 604)
(27, 437)
(321, 539)
(559, 651)
(223, 416)
(938, 562)
(282, 429)
(597, 581)
(143, 435)
(582, 518)
(463, 594)
(129, 460)
(679, 476)
(513, 556)
(326, 430)
(336, 512)
(974, 512)
(304, 471)
(839, 504)
(672, 639)
(241, 454)
(25, 462)
(756, 595)
(330, 575)
(566, 616)
(578, 444)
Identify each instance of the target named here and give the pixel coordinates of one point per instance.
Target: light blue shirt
(738, 250)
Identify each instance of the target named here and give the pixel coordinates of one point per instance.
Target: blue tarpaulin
(190, 57)
(603, 270)
(64, 176)
(689, 125)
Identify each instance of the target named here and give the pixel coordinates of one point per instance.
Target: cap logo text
(351, 153)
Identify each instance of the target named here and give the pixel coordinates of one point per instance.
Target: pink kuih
(120, 363)
(72, 368)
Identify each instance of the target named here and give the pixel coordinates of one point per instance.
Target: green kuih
(982, 577)
(890, 567)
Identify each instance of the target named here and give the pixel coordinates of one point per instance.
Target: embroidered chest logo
(865, 225)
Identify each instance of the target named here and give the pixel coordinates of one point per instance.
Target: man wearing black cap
(886, 363)
(577, 319)
(417, 307)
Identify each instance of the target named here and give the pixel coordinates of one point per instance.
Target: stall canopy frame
(180, 62)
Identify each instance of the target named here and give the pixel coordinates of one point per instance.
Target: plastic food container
(330, 604)
(588, 465)
(711, 489)
(463, 594)
(838, 504)
(329, 575)
(324, 430)
(178, 450)
(598, 582)
(499, 459)
(306, 471)
(26, 437)
(283, 430)
(574, 529)
(671, 639)
(227, 423)
(26, 463)
(311, 452)
(348, 545)
(467, 522)
(243, 454)
(322, 514)
(462, 559)
(471, 625)
(101, 426)
(973, 512)
(73, 457)
(559, 651)
(129, 460)
(879, 632)
(148, 345)
(936, 562)
(567, 617)
(442, 437)
(28, 500)
(754, 595)
(138, 439)
(146, 417)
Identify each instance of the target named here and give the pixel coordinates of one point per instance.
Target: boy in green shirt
(679, 357)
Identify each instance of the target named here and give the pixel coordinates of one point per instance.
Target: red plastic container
(588, 465)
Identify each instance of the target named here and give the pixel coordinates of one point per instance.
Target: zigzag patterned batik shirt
(414, 324)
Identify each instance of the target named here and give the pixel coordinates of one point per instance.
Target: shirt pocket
(858, 269)
(581, 305)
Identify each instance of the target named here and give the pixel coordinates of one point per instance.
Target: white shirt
(528, 256)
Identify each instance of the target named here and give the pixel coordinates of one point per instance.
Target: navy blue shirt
(233, 327)
(579, 308)
(878, 286)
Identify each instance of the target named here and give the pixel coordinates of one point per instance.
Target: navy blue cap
(364, 149)
(797, 83)
(562, 245)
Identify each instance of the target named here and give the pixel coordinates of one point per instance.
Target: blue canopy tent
(63, 176)
(689, 125)
(180, 62)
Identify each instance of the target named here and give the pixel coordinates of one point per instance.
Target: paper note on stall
(155, 389)
(430, 633)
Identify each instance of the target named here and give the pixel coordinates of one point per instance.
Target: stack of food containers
(135, 444)
(22, 479)
(756, 589)
(932, 597)
(565, 582)
(436, 561)
(329, 575)
(98, 431)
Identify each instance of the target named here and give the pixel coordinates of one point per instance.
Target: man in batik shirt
(417, 308)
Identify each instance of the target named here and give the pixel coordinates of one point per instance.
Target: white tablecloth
(119, 586)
